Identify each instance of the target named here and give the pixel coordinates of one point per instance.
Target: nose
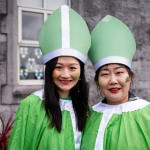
(113, 79)
(65, 73)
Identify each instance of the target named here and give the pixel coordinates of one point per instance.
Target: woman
(53, 118)
(122, 120)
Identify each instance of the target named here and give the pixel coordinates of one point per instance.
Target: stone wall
(136, 14)
(3, 42)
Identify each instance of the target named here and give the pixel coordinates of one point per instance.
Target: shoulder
(32, 101)
(94, 114)
(129, 106)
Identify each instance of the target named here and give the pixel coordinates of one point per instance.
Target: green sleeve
(91, 130)
(16, 141)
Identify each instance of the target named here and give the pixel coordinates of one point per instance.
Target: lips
(65, 82)
(114, 90)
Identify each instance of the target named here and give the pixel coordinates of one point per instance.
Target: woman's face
(66, 75)
(114, 82)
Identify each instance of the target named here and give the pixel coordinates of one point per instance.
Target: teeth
(114, 89)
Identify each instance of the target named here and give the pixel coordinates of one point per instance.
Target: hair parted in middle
(79, 97)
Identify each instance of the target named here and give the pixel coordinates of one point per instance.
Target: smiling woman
(114, 82)
(121, 121)
(53, 118)
(66, 75)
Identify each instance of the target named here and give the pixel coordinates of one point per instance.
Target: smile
(114, 90)
(65, 82)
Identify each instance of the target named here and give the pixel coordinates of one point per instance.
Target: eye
(104, 74)
(73, 68)
(58, 67)
(119, 72)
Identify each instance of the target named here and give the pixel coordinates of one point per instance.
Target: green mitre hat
(64, 33)
(112, 42)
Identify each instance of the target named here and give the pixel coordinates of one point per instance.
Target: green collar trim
(67, 98)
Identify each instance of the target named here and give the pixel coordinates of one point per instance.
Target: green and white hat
(112, 42)
(64, 33)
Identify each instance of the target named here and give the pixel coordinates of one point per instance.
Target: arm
(16, 141)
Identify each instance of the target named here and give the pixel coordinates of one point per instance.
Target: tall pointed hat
(112, 42)
(64, 33)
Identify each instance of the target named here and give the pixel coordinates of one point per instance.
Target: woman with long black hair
(53, 118)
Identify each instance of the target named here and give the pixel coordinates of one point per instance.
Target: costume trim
(112, 59)
(67, 105)
(109, 110)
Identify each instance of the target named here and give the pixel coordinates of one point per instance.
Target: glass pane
(54, 4)
(31, 24)
(31, 3)
(31, 66)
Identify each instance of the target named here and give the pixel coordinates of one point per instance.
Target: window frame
(30, 43)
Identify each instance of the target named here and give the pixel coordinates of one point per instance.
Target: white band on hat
(65, 26)
(64, 52)
(112, 59)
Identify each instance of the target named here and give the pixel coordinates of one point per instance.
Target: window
(31, 16)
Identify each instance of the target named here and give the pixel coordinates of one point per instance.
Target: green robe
(31, 131)
(118, 127)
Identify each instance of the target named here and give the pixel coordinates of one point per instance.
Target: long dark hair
(79, 96)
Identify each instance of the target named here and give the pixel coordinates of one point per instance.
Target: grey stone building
(21, 71)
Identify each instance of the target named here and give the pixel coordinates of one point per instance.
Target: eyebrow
(105, 69)
(69, 64)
